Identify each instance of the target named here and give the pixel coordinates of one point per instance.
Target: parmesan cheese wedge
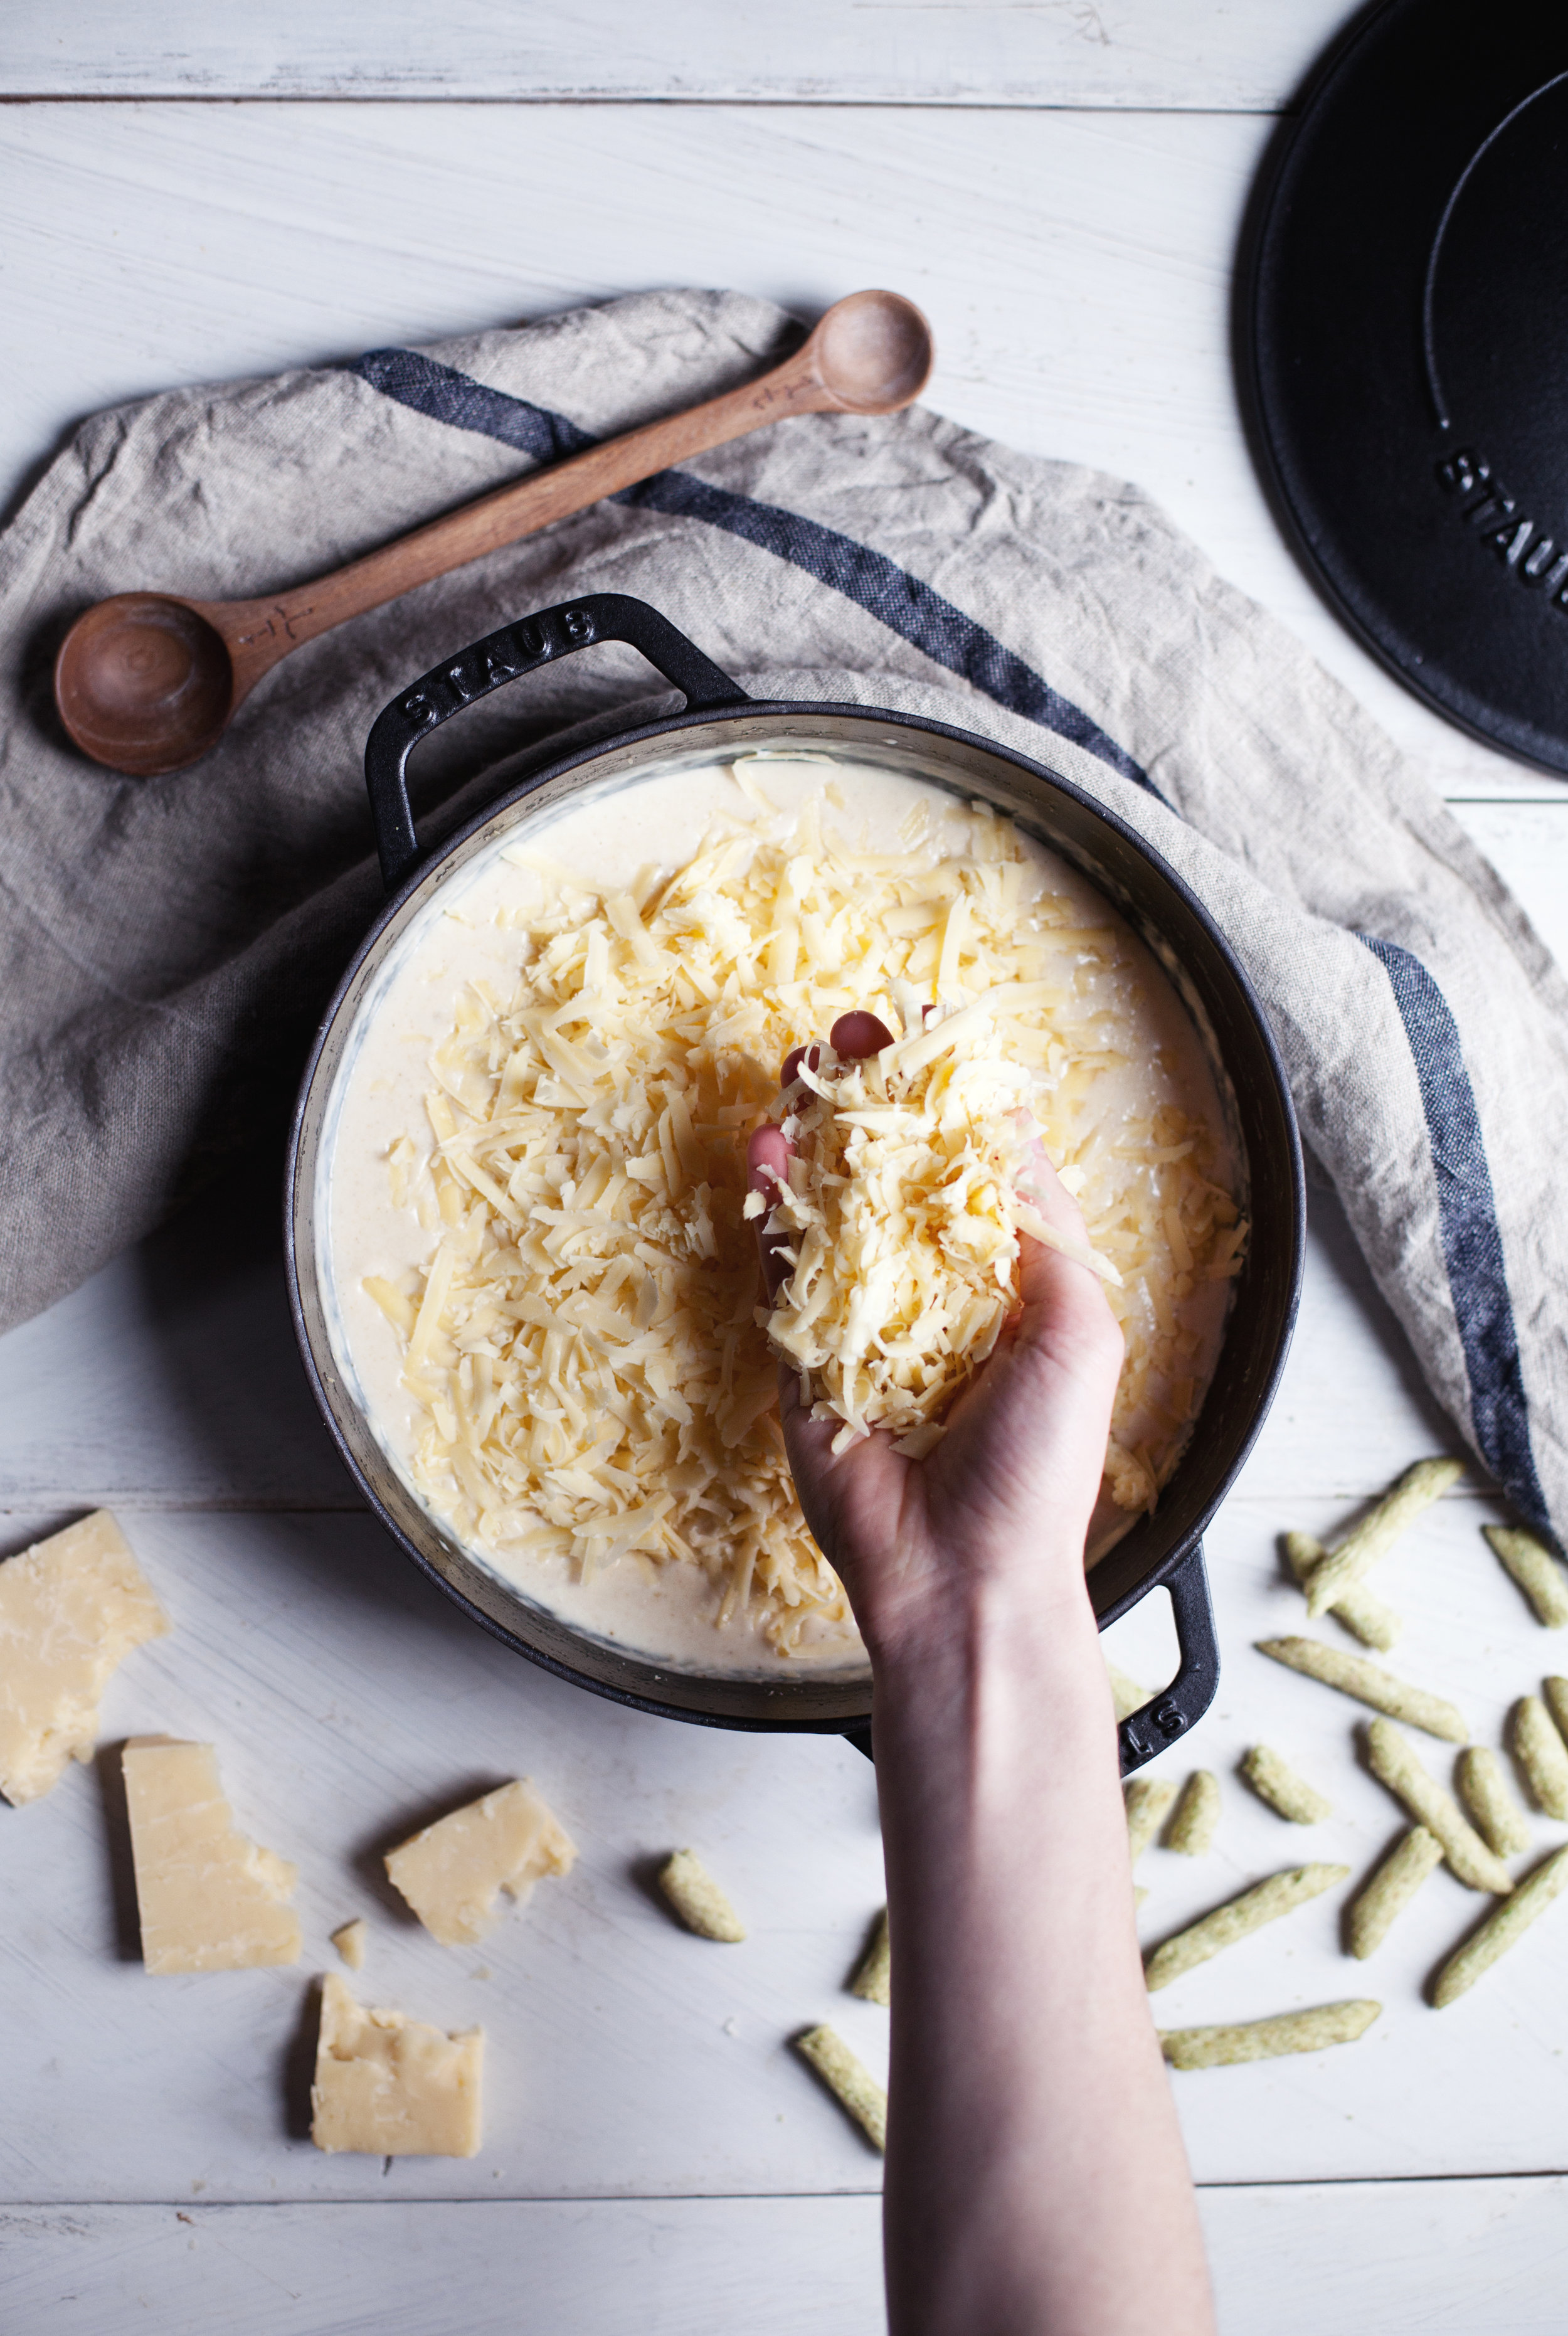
(72, 1608)
(209, 1899)
(453, 1873)
(392, 2086)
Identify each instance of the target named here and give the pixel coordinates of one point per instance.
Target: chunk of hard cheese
(452, 1873)
(209, 1900)
(393, 2087)
(349, 1938)
(70, 1610)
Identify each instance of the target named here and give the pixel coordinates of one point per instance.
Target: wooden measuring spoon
(146, 682)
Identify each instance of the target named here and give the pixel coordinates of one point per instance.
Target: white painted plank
(348, 1700)
(1408, 2258)
(679, 2267)
(178, 242)
(1481, 2087)
(1098, 53)
(1076, 268)
(171, 1378)
(349, 1703)
(1528, 843)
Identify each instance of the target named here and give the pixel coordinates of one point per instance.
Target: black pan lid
(1404, 346)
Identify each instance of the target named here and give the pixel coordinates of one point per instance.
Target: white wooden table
(1060, 187)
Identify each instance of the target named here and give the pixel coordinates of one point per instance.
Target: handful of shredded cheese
(583, 1341)
(901, 1219)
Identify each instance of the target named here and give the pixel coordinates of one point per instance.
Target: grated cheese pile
(583, 1343)
(907, 1184)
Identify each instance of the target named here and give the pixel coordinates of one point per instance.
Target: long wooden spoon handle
(260, 632)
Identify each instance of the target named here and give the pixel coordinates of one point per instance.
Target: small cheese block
(349, 1940)
(209, 1900)
(452, 1873)
(70, 1610)
(393, 2087)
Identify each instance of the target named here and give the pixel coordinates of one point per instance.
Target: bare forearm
(1036, 2181)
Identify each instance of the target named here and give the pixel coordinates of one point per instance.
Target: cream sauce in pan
(607, 834)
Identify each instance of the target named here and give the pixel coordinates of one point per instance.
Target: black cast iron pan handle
(502, 656)
(1181, 1705)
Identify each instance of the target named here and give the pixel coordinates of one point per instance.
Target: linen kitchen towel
(166, 945)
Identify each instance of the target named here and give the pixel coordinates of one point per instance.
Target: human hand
(1002, 1504)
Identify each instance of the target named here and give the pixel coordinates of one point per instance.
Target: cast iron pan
(1403, 344)
(1164, 1551)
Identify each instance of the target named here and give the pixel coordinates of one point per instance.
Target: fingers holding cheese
(900, 1195)
(854, 1038)
(767, 1159)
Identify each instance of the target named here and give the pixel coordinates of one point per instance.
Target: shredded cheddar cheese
(906, 1195)
(583, 1341)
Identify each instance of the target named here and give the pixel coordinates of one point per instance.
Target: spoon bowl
(874, 352)
(146, 682)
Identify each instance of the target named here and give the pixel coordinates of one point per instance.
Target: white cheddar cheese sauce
(532, 1248)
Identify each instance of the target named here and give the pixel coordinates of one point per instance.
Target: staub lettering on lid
(1524, 547)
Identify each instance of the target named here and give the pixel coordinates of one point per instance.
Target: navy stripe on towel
(1472, 1242)
(879, 585)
